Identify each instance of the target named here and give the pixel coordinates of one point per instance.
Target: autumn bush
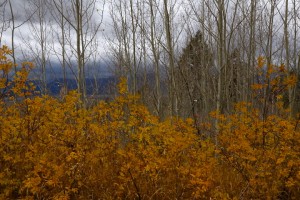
(262, 156)
(57, 149)
(258, 144)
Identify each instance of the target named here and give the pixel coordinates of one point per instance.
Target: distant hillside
(100, 86)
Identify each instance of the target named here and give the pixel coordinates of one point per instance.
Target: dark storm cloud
(25, 10)
(26, 17)
(18, 10)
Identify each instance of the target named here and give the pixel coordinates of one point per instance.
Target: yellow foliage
(273, 83)
(290, 81)
(257, 86)
(265, 154)
(261, 62)
(56, 149)
(122, 87)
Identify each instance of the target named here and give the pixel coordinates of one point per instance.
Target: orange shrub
(264, 155)
(51, 149)
(56, 149)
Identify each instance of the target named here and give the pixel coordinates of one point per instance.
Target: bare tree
(81, 17)
(10, 22)
(296, 56)
(5, 22)
(37, 14)
(60, 35)
(155, 50)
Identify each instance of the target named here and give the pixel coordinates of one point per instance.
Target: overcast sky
(26, 38)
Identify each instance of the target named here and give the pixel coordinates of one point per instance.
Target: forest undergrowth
(56, 149)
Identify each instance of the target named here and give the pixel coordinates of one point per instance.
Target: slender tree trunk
(221, 45)
(155, 53)
(269, 51)
(296, 57)
(287, 53)
(79, 50)
(13, 35)
(133, 25)
(170, 51)
(63, 50)
(251, 57)
(220, 53)
(43, 46)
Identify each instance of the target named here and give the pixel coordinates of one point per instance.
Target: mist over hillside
(54, 71)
